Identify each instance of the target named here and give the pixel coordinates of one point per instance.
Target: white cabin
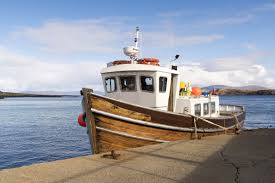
(141, 84)
(156, 87)
(144, 82)
(199, 106)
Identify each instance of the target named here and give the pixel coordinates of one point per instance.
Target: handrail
(242, 108)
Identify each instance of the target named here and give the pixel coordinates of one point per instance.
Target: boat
(145, 104)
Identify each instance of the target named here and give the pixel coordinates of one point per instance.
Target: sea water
(260, 110)
(34, 130)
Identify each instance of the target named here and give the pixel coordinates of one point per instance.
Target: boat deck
(248, 157)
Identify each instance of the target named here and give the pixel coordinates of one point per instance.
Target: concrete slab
(248, 157)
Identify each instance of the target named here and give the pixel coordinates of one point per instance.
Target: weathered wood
(157, 116)
(117, 133)
(106, 106)
(171, 95)
(91, 126)
(140, 130)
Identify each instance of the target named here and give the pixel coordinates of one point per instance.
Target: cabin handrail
(242, 108)
(159, 125)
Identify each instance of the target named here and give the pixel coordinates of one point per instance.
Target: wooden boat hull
(117, 125)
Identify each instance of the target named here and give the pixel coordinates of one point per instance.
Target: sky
(62, 45)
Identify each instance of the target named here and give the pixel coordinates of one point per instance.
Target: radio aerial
(133, 51)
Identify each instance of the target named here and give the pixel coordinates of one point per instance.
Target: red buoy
(81, 119)
(196, 91)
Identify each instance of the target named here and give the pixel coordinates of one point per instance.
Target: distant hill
(228, 91)
(53, 92)
(13, 94)
(211, 87)
(249, 87)
(242, 90)
(64, 93)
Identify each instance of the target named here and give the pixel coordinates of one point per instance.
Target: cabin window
(213, 107)
(128, 83)
(110, 84)
(162, 84)
(198, 109)
(147, 83)
(205, 108)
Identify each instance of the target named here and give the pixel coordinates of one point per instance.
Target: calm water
(260, 110)
(37, 130)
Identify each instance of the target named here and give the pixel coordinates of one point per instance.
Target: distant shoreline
(237, 92)
(14, 95)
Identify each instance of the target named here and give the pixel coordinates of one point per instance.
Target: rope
(195, 126)
(209, 122)
(237, 121)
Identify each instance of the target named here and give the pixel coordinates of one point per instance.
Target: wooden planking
(91, 127)
(157, 116)
(141, 130)
(162, 117)
(111, 108)
(108, 142)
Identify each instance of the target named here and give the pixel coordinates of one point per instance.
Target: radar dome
(131, 51)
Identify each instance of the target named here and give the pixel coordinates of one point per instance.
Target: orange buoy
(119, 62)
(149, 61)
(81, 119)
(196, 91)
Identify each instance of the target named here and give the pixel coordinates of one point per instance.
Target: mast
(133, 51)
(137, 36)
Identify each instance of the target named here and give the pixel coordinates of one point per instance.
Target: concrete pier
(248, 157)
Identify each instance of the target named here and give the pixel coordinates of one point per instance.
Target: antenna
(173, 66)
(136, 38)
(176, 57)
(133, 51)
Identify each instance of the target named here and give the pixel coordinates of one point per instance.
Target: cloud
(270, 6)
(176, 13)
(100, 36)
(252, 75)
(24, 73)
(21, 73)
(265, 7)
(231, 71)
(234, 63)
(249, 46)
(166, 39)
(74, 36)
(231, 20)
(171, 14)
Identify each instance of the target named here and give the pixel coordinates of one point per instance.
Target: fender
(81, 119)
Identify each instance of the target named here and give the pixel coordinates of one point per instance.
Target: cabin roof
(137, 67)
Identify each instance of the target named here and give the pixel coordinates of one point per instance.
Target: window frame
(165, 86)
(211, 110)
(115, 84)
(152, 83)
(205, 104)
(195, 109)
(135, 82)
